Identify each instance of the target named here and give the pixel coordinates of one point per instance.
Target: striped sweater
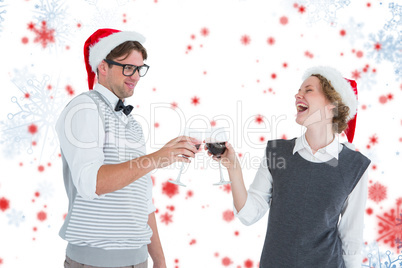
(109, 230)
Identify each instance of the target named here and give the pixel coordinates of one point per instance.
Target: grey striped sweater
(103, 231)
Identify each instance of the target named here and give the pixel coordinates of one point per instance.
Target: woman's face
(312, 106)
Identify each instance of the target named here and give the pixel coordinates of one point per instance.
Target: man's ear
(103, 68)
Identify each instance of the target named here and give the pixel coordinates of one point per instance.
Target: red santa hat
(346, 88)
(99, 45)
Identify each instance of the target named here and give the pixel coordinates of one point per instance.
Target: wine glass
(215, 140)
(194, 133)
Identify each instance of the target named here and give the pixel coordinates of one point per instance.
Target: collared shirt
(351, 224)
(84, 150)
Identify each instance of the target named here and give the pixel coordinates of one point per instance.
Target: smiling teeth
(301, 107)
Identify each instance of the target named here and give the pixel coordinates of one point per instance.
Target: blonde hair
(341, 111)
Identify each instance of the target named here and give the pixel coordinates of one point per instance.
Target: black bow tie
(126, 109)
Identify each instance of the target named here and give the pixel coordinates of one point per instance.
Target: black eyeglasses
(129, 69)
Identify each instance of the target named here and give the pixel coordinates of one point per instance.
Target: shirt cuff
(247, 214)
(353, 261)
(87, 180)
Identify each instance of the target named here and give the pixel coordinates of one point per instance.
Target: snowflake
(170, 189)
(2, 12)
(46, 189)
(195, 100)
(353, 30)
(384, 47)
(259, 119)
(376, 258)
(390, 226)
(41, 108)
(43, 35)
(395, 24)
(166, 218)
(55, 15)
(204, 31)
(92, 2)
(325, 10)
(227, 188)
(245, 40)
(228, 215)
(15, 217)
(373, 139)
(377, 192)
(367, 80)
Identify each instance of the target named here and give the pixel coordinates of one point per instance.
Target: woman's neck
(319, 136)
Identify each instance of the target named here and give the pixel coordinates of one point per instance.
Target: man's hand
(179, 149)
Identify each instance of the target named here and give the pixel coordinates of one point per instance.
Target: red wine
(216, 148)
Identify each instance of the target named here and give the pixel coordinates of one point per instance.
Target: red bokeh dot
(283, 20)
(25, 40)
(42, 216)
(32, 128)
(41, 168)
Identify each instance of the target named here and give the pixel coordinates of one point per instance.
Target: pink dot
(383, 99)
(283, 20)
(359, 54)
(41, 168)
(25, 40)
(42, 215)
(226, 261)
(342, 32)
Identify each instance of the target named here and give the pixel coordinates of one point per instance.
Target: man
(111, 220)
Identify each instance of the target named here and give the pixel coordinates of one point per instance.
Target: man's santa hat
(99, 45)
(346, 88)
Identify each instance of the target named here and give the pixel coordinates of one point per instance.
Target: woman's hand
(228, 159)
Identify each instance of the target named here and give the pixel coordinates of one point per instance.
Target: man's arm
(114, 177)
(155, 248)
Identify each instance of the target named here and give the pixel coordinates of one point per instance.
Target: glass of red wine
(197, 134)
(215, 140)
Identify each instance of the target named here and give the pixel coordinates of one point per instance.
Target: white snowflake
(92, 2)
(378, 259)
(325, 10)
(2, 12)
(353, 30)
(54, 13)
(395, 24)
(15, 217)
(36, 105)
(46, 189)
(384, 47)
(366, 81)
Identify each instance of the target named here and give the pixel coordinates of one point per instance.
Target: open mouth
(301, 107)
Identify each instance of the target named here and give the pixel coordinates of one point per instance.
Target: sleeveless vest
(307, 199)
(117, 220)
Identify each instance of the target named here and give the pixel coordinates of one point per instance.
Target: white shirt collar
(333, 149)
(109, 95)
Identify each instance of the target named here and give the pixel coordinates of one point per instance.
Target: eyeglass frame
(124, 66)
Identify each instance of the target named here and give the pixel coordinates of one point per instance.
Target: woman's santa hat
(346, 88)
(99, 45)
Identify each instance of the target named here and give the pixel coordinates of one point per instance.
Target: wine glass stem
(181, 170)
(220, 171)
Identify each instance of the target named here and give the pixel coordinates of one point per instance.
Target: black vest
(307, 199)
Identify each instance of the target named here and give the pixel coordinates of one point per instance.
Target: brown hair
(341, 111)
(125, 49)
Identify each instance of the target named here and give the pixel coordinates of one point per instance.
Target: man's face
(123, 86)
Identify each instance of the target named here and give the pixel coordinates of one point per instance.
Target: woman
(314, 186)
